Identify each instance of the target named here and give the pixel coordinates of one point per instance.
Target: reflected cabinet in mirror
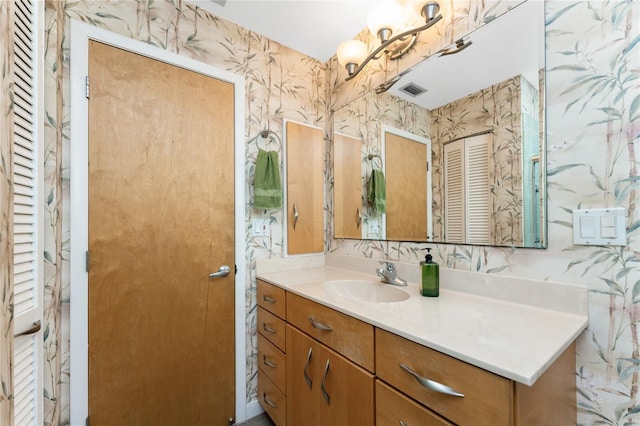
(453, 151)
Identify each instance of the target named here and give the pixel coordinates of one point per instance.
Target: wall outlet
(260, 227)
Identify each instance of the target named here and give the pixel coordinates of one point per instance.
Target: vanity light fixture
(386, 21)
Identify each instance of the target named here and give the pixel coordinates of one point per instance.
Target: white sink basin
(366, 291)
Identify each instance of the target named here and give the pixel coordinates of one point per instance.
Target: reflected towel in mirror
(377, 194)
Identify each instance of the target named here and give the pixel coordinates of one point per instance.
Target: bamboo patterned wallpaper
(593, 126)
(6, 214)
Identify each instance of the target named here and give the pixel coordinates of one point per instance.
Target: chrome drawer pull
(269, 299)
(319, 325)
(266, 401)
(325, 394)
(402, 423)
(431, 385)
(268, 329)
(306, 370)
(295, 217)
(268, 363)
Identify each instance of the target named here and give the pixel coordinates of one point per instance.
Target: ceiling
(312, 27)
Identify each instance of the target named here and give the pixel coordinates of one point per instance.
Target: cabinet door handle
(402, 423)
(295, 217)
(268, 329)
(431, 385)
(306, 370)
(35, 327)
(325, 394)
(266, 401)
(358, 218)
(319, 325)
(268, 363)
(268, 299)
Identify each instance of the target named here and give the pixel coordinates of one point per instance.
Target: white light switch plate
(260, 227)
(600, 227)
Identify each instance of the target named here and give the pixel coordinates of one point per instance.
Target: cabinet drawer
(488, 398)
(271, 327)
(272, 362)
(393, 409)
(271, 298)
(346, 335)
(272, 400)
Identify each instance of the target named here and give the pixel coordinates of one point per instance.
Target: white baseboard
(254, 409)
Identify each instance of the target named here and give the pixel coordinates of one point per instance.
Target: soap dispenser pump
(430, 272)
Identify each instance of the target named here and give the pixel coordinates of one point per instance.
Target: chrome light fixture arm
(402, 36)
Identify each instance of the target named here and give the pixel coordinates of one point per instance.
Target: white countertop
(515, 340)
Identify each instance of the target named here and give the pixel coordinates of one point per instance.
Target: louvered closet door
(27, 356)
(466, 190)
(454, 183)
(477, 189)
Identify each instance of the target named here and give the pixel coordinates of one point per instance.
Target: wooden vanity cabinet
(272, 367)
(346, 335)
(325, 388)
(489, 399)
(394, 408)
(318, 367)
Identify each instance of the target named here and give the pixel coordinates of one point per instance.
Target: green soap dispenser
(430, 276)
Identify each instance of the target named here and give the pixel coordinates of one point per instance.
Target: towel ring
(372, 157)
(265, 135)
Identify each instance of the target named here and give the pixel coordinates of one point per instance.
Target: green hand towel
(377, 191)
(267, 184)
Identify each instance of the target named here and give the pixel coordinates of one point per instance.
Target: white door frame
(81, 33)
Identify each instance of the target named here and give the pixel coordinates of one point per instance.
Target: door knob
(222, 272)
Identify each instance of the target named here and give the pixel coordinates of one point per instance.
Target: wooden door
(406, 179)
(347, 186)
(305, 189)
(161, 219)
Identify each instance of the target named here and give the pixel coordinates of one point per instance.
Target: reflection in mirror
(482, 112)
(408, 183)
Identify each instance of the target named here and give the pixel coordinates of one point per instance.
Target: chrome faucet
(389, 274)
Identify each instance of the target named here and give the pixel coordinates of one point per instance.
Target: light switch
(605, 227)
(588, 227)
(608, 226)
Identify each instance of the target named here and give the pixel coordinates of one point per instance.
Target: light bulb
(385, 18)
(351, 52)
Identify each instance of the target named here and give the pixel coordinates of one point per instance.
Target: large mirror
(453, 151)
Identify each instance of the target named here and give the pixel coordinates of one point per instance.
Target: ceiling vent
(413, 89)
